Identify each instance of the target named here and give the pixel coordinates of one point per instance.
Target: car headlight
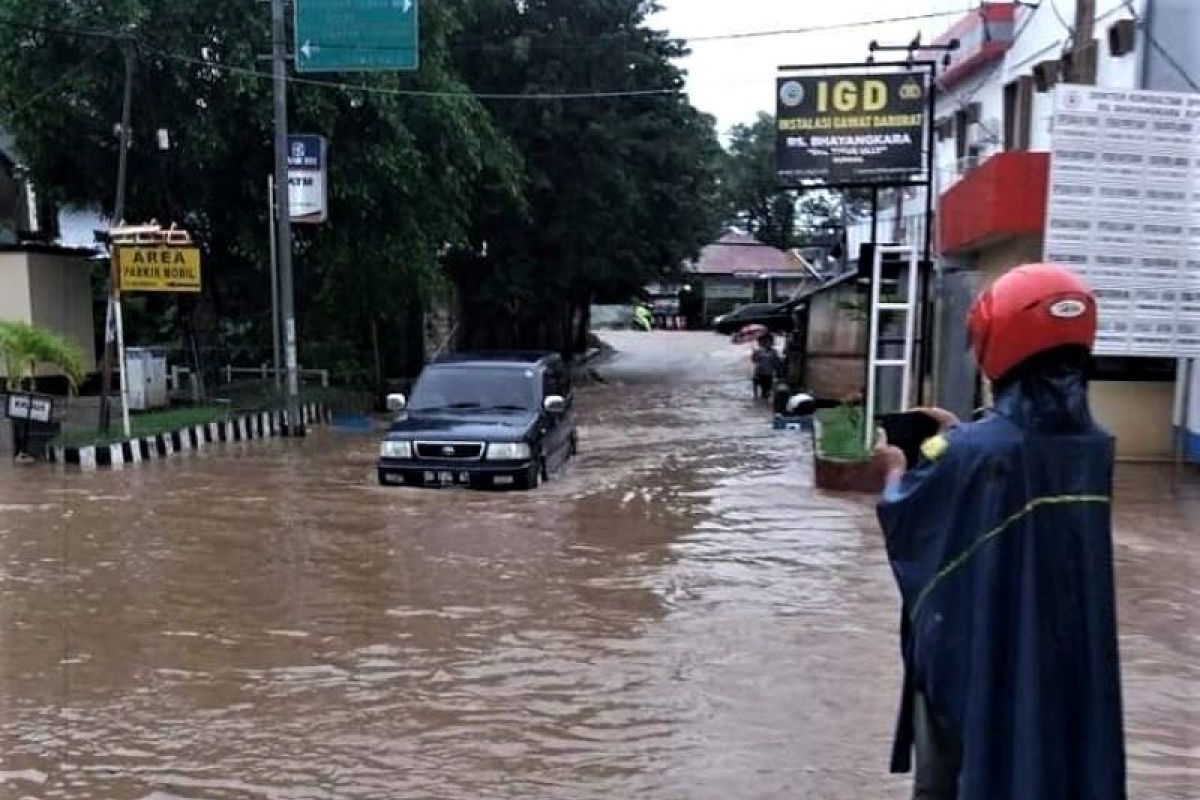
(391, 448)
(508, 451)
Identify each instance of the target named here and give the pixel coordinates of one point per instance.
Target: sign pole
(283, 218)
(121, 360)
(25, 434)
(275, 355)
(118, 213)
(928, 304)
(120, 332)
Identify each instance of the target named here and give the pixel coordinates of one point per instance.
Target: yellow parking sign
(159, 269)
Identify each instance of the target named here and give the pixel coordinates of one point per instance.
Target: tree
(403, 168)
(618, 190)
(24, 347)
(752, 195)
(784, 218)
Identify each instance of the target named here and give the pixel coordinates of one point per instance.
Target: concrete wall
(1043, 38)
(1139, 414)
(53, 291)
(14, 288)
(955, 375)
(61, 294)
(995, 261)
(1175, 25)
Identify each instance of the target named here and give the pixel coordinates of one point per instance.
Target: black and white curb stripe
(241, 428)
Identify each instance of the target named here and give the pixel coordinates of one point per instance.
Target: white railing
(265, 371)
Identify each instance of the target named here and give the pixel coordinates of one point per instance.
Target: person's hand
(945, 419)
(891, 458)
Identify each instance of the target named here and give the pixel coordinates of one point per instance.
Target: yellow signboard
(159, 269)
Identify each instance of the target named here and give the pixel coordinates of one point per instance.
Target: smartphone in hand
(908, 431)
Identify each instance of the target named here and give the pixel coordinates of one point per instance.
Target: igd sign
(846, 96)
(850, 128)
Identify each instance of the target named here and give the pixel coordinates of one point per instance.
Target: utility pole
(127, 48)
(1083, 48)
(283, 220)
(276, 357)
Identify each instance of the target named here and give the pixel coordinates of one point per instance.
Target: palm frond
(24, 346)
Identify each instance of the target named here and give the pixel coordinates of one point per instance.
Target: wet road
(680, 616)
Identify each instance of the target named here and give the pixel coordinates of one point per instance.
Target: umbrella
(750, 333)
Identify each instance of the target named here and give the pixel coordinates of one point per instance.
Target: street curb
(239, 428)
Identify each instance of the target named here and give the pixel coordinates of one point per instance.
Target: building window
(1018, 111)
(960, 136)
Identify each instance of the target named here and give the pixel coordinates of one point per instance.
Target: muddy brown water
(679, 616)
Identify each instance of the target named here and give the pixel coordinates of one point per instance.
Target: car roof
(523, 358)
(757, 306)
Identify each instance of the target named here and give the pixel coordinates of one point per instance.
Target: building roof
(47, 249)
(738, 253)
(834, 282)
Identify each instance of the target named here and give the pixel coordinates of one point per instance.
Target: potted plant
(844, 463)
(23, 347)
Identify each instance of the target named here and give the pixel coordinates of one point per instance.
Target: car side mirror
(396, 402)
(555, 404)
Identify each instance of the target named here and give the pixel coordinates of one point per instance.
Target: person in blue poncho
(1000, 540)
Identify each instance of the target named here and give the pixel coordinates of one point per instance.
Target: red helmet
(1031, 309)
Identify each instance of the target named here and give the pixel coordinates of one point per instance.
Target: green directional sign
(356, 35)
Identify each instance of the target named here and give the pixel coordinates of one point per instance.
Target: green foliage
(617, 191)
(841, 433)
(403, 169)
(780, 217)
(751, 194)
(526, 209)
(24, 347)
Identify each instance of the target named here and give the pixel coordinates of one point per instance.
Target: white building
(994, 110)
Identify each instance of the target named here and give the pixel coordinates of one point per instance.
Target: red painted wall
(1003, 197)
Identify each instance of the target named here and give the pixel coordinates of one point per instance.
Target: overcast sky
(734, 79)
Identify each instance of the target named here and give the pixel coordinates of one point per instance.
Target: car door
(567, 422)
(557, 438)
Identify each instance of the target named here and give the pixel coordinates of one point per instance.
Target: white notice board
(1123, 210)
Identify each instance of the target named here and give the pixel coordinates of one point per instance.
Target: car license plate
(446, 478)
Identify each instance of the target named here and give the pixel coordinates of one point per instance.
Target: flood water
(681, 615)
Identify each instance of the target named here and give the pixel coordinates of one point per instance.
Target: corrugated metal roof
(740, 253)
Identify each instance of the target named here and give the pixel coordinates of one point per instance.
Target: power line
(498, 96)
(834, 26)
(380, 90)
(1162, 51)
(38, 28)
(54, 85)
(1061, 18)
(329, 84)
(965, 100)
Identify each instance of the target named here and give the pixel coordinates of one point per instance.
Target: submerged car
(775, 317)
(483, 420)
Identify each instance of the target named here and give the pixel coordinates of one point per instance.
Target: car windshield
(466, 388)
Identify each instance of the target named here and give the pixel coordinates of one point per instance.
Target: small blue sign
(306, 151)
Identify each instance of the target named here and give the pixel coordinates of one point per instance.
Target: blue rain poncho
(1001, 545)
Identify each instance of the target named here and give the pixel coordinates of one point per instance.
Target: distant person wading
(768, 366)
